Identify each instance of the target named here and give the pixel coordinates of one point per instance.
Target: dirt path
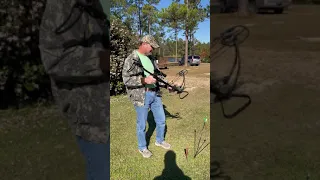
(197, 76)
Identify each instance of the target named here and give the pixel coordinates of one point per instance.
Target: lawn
(277, 136)
(37, 144)
(183, 116)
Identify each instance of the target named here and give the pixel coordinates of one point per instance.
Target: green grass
(36, 144)
(128, 163)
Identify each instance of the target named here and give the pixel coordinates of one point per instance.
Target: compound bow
(222, 89)
(157, 75)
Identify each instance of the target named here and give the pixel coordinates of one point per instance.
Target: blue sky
(203, 32)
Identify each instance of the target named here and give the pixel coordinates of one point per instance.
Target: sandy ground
(277, 136)
(196, 77)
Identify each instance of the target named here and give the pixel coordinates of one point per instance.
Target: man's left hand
(170, 89)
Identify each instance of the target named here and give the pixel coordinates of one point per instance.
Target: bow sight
(223, 88)
(157, 75)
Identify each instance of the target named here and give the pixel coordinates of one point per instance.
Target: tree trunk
(190, 41)
(192, 44)
(176, 33)
(149, 26)
(186, 34)
(140, 23)
(243, 7)
(163, 48)
(186, 53)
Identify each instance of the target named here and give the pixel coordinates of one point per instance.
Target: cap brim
(155, 46)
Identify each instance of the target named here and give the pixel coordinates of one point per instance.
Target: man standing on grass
(143, 92)
(74, 50)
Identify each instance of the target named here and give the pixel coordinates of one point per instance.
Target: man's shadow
(171, 170)
(152, 123)
(168, 114)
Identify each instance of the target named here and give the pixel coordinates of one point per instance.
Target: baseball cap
(150, 40)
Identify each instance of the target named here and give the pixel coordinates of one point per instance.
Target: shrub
(22, 76)
(122, 44)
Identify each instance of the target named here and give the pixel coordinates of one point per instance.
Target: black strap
(93, 11)
(70, 86)
(63, 28)
(135, 87)
(137, 74)
(85, 42)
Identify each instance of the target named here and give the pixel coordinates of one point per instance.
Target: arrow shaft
(202, 149)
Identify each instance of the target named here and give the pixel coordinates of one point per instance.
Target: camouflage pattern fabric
(150, 40)
(131, 75)
(80, 88)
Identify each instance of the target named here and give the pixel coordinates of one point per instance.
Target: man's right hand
(149, 80)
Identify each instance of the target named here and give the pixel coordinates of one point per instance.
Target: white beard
(148, 54)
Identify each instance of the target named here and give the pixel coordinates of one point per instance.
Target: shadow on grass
(216, 172)
(152, 123)
(171, 170)
(168, 114)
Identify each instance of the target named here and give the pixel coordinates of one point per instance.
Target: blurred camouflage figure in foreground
(74, 45)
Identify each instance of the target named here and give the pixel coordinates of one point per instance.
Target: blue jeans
(97, 158)
(153, 102)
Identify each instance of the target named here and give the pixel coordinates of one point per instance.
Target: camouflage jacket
(80, 88)
(132, 75)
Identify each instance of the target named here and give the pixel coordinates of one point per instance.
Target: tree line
(23, 80)
(141, 17)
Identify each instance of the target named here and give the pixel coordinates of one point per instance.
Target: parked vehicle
(162, 63)
(224, 6)
(192, 60)
(276, 5)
